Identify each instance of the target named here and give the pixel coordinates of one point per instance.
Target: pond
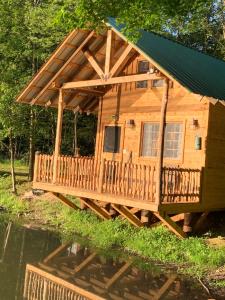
(35, 264)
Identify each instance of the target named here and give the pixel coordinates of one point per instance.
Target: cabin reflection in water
(74, 272)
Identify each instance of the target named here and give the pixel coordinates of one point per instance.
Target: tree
(196, 23)
(27, 36)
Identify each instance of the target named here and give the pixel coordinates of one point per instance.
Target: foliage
(199, 18)
(31, 29)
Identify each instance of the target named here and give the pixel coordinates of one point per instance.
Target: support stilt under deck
(101, 212)
(199, 224)
(175, 218)
(66, 201)
(165, 219)
(127, 213)
(124, 211)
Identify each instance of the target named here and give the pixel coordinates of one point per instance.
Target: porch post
(58, 135)
(161, 141)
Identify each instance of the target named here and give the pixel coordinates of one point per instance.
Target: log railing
(80, 172)
(135, 181)
(42, 285)
(129, 180)
(181, 185)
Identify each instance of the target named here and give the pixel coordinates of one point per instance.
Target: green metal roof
(198, 72)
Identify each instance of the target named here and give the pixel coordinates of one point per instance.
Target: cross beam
(110, 81)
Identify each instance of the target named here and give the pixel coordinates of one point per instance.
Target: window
(143, 67)
(172, 140)
(112, 139)
(157, 82)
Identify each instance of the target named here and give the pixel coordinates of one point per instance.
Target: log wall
(214, 178)
(127, 102)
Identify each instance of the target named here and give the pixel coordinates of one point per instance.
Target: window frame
(137, 72)
(109, 155)
(157, 87)
(169, 159)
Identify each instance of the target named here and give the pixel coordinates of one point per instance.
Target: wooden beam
(58, 134)
(161, 142)
(118, 274)
(161, 292)
(85, 262)
(66, 201)
(108, 52)
(56, 252)
(108, 198)
(114, 80)
(165, 219)
(81, 266)
(200, 221)
(63, 67)
(90, 91)
(102, 213)
(120, 61)
(175, 218)
(124, 211)
(93, 63)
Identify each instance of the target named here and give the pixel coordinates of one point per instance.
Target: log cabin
(160, 142)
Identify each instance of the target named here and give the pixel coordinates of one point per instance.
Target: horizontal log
(114, 80)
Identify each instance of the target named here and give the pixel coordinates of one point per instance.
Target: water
(35, 264)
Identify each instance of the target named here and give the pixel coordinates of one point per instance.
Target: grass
(20, 166)
(192, 256)
(8, 200)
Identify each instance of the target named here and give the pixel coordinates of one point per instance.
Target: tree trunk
(12, 158)
(31, 147)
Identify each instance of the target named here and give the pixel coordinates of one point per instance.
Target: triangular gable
(80, 57)
(198, 72)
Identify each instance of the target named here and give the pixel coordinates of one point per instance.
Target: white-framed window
(172, 140)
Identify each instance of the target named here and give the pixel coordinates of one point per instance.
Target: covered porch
(134, 183)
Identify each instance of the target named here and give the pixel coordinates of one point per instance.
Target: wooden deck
(117, 182)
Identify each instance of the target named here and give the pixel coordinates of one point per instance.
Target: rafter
(94, 63)
(120, 61)
(63, 67)
(114, 80)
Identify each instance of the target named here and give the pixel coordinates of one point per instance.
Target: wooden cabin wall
(127, 102)
(214, 178)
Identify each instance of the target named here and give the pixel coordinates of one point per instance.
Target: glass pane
(141, 84)
(150, 139)
(112, 139)
(173, 140)
(143, 67)
(157, 82)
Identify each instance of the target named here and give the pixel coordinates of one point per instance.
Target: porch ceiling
(69, 62)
